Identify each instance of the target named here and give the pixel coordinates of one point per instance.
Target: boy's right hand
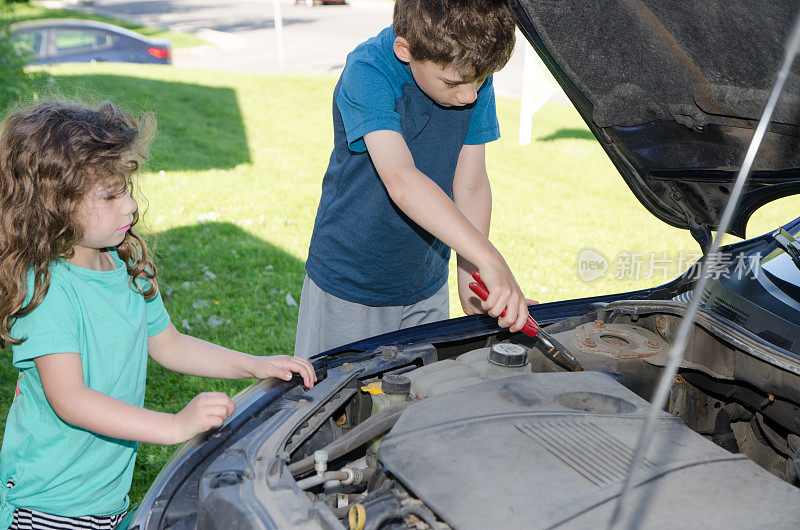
(206, 411)
(504, 295)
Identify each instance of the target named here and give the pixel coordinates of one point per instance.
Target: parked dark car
(75, 40)
(459, 424)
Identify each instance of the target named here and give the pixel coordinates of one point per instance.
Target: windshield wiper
(788, 243)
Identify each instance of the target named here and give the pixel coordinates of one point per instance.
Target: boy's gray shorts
(325, 321)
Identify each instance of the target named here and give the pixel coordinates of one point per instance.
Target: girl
(80, 306)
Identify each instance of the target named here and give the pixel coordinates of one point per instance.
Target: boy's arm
(189, 355)
(472, 194)
(76, 404)
(427, 205)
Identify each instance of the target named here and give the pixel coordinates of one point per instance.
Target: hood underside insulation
(695, 62)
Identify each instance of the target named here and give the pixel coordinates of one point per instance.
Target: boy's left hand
(282, 366)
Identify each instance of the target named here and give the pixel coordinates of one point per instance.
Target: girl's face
(105, 214)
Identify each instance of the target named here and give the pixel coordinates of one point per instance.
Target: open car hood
(673, 91)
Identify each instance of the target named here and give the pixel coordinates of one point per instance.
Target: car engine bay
(483, 427)
(489, 431)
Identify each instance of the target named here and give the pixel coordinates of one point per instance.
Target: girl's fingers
(306, 370)
(218, 411)
(220, 400)
(213, 421)
(283, 367)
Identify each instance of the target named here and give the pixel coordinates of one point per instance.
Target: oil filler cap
(396, 384)
(508, 355)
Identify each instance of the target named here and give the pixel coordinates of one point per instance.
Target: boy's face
(445, 85)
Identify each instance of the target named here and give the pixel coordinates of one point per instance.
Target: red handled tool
(531, 328)
(552, 348)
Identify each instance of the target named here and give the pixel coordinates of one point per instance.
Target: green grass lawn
(232, 189)
(178, 39)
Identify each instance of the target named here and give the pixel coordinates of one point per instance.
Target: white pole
(527, 98)
(536, 90)
(278, 17)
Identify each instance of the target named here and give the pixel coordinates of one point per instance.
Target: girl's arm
(189, 355)
(62, 379)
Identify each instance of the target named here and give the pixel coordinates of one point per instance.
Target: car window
(78, 40)
(28, 42)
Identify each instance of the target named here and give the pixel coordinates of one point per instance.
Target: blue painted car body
(50, 41)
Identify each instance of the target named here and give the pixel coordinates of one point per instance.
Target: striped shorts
(25, 519)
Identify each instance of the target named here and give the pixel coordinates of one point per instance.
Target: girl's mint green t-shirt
(57, 468)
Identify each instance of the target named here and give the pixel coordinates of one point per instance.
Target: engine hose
(373, 426)
(316, 480)
(723, 432)
(378, 513)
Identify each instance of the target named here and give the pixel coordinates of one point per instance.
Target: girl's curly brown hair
(51, 155)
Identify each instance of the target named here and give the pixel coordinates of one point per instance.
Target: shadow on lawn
(563, 134)
(219, 270)
(199, 127)
(229, 288)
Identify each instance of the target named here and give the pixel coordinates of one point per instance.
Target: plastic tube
(363, 433)
(723, 432)
(316, 480)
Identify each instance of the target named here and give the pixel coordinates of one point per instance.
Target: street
(242, 35)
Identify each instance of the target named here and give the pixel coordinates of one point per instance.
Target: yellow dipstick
(375, 388)
(357, 517)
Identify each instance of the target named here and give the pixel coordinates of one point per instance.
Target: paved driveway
(242, 36)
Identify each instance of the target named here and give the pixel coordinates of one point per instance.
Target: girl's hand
(206, 411)
(282, 366)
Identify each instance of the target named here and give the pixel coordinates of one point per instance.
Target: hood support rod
(682, 335)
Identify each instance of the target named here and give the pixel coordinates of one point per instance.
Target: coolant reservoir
(499, 361)
(393, 388)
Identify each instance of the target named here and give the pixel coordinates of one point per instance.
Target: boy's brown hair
(475, 37)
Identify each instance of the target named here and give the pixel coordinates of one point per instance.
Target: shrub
(14, 81)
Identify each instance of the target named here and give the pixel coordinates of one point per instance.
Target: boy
(407, 180)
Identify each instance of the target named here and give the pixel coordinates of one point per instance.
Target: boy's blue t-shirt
(363, 248)
(57, 468)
